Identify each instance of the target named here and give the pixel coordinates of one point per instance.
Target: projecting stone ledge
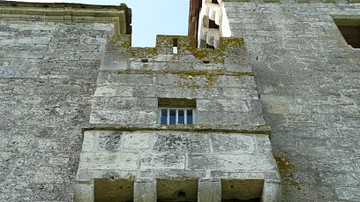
(169, 165)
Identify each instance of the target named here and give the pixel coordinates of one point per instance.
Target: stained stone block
(120, 190)
(178, 142)
(242, 189)
(110, 142)
(136, 141)
(233, 144)
(177, 189)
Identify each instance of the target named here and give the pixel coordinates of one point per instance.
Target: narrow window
(176, 111)
(175, 46)
(170, 116)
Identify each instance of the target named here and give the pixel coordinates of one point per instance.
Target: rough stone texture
(308, 80)
(48, 74)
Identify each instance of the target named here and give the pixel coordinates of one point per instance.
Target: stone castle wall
(48, 74)
(308, 81)
(305, 73)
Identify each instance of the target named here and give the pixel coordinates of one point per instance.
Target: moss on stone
(286, 168)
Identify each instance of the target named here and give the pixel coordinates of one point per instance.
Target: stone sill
(256, 130)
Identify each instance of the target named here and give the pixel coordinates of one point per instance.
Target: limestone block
(84, 191)
(109, 141)
(271, 191)
(172, 173)
(233, 144)
(181, 142)
(231, 162)
(124, 118)
(117, 104)
(222, 105)
(144, 92)
(125, 78)
(239, 120)
(125, 161)
(163, 160)
(145, 190)
(135, 141)
(106, 90)
(209, 190)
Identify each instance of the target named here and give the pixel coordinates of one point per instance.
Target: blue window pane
(172, 116)
(181, 118)
(163, 118)
(189, 116)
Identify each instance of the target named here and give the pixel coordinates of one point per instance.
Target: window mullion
(167, 116)
(177, 116)
(185, 116)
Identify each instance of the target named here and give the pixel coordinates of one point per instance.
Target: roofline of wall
(120, 15)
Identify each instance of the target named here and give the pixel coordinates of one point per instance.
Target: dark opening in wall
(176, 102)
(184, 190)
(175, 46)
(214, 2)
(212, 24)
(350, 29)
(119, 190)
(234, 190)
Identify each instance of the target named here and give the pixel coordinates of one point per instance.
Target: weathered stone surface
(306, 76)
(181, 143)
(48, 73)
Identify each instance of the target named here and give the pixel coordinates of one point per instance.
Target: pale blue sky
(150, 17)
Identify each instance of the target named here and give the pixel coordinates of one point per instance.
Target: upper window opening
(175, 46)
(214, 2)
(350, 29)
(176, 111)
